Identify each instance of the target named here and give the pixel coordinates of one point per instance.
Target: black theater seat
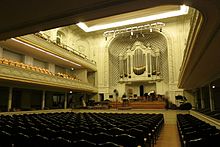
(81, 129)
(84, 143)
(108, 144)
(125, 140)
(194, 132)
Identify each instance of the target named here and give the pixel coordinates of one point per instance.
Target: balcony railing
(65, 47)
(24, 75)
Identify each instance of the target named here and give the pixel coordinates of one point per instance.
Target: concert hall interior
(110, 73)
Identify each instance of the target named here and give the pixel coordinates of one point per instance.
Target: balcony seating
(194, 132)
(80, 129)
(37, 69)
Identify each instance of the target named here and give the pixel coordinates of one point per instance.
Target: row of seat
(195, 132)
(37, 69)
(80, 129)
(207, 111)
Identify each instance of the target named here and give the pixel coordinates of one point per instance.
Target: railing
(64, 46)
(208, 119)
(19, 74)
(37, 69)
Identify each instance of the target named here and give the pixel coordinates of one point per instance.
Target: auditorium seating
(80, 129)
(194, 132)
(37, 69)
(214, 114)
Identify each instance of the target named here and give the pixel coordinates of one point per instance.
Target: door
(142, 90)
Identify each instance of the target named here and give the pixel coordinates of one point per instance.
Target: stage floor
(139, 105)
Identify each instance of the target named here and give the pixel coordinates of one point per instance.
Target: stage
(138, 105)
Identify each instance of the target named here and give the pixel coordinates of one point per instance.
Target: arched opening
(136, 59)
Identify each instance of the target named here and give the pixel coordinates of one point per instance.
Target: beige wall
(1, 52)
(190, 97)
(95, 47)
(12, 56)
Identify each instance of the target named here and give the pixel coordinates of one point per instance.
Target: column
(202, 99)
(196, 99)
(43, 100)
(84, 99)
(65, 100)
(132, 64)
(1, 52)
(121, 71)
(149, 63)
(51, 67)
(10, 98)
(211, 100)
(146, 63)
(28, 60)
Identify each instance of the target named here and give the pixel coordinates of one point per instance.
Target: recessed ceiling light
(182, 11)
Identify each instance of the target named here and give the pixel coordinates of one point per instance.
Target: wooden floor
(169, 137)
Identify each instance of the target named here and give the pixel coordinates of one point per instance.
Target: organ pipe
(138, 60)
(129, 64)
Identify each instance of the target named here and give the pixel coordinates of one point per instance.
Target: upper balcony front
(23, 73)
(40, 47)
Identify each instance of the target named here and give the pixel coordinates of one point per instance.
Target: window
(60, 36)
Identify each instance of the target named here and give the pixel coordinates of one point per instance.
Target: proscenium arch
(164, 34)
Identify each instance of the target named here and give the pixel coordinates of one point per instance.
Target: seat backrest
(108, 144)
(125, 140)
(83, 143)
(116, 131)
(102, 137)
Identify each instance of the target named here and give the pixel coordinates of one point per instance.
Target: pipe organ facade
(140, 62)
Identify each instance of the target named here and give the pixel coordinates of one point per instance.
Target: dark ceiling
(29, 16)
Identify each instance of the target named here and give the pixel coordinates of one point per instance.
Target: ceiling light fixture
(182, 11)
(34, 47)
(154, 26)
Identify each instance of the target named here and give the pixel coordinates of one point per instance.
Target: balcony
(19, 74)
(37, 46)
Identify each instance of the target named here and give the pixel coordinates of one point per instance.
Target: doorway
(101, 97)
(141, 90)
